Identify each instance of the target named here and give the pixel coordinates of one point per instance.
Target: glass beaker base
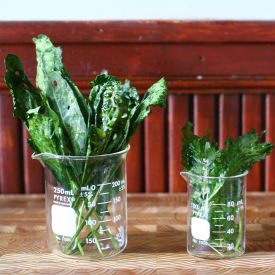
(89, 255)
(92, 254)
(215, 255)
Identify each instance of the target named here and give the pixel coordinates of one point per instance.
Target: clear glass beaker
(216, 215)
(86, 203)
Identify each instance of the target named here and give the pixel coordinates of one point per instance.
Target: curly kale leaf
(203, 157)
(111, 104)
(116, 109)
(155, 96)
(199, 155)
(240, 155)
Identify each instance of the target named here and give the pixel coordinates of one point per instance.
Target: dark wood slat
(252, 118)
(139, 31)
(10, 151)
(270, 137)
(33, 170)
(155, 151)
(135, 172)
(205, 115)
(229, 117)
(178, 115)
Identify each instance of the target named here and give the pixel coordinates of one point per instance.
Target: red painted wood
(33, 171)
(169, 60)
(229, 117)
(139, 31)
(205, 115)
(135, 171)
(201, 58)
(186, 86)
(178, 115)
(270, 137)
(253, 118)
(155, 152)
(10, 151)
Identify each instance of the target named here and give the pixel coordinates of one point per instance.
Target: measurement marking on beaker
(218, 231)
(103, 212)
(106, 239)
(105, 193)
(219, 239)
(222, 218)
(218, 211)
(108, 220)
(105, 248)
(220, 246)
(104, 202)
(108, 183)
(219, 224)
(219, 204)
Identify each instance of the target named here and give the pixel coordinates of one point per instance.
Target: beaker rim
(68, 157)
(183, 173)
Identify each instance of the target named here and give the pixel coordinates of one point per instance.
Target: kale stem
(95, 236)
(216, 250)
(239, 238)
(80, 227)
(80, 248)
(78, 222)
(90, 211)
(113, 240)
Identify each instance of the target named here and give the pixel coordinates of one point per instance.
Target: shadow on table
(173, 242)
(261, 239)
(151, 242)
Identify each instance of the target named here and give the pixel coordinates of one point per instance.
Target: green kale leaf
(202, 156)
(63, 96)
(155, 96)
(25, 95)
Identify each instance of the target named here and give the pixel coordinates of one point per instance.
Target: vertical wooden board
(10, 150)
(33, 170)
(270, 137)
(252, 118)
(155, 151)
(135, 172)
(205, 115)
(178, 115)
(229, 117)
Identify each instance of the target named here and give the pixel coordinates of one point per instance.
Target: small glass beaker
(86, 203)
(216, 215)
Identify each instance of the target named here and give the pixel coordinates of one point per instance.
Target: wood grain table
(157, 237)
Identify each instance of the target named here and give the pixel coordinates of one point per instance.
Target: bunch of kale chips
(61, 122)
(203, 159)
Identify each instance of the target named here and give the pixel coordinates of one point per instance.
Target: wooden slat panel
(205, 115)
(270, 137)
(229, 117)
(135, 172)
(252, 118)
(178, 115)
(10, 151)
(180, 86)
(33, 171)
(155, 149)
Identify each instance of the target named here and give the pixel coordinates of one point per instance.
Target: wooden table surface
(157, 237)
